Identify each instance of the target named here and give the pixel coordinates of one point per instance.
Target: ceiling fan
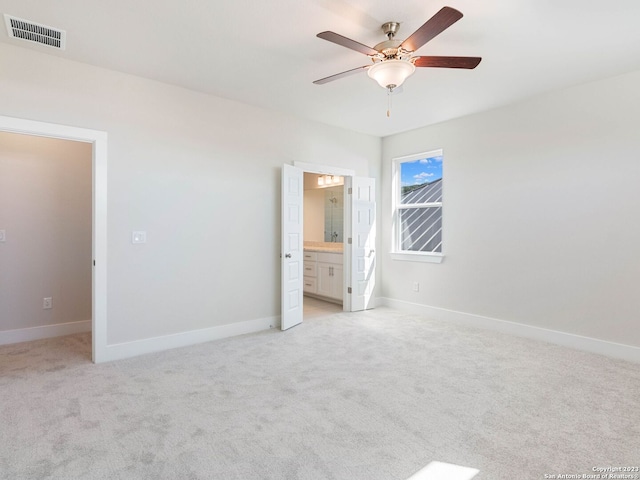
(394, 60)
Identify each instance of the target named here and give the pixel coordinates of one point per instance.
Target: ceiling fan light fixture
(391, 73)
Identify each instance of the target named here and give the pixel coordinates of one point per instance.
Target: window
(417, 197)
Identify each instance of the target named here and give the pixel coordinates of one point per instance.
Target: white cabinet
(324, 274)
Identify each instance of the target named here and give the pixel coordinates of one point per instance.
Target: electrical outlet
(3, 236)
(416, 287)
(47, 303)
(139, 237)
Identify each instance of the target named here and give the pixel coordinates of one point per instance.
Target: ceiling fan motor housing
(388, 48)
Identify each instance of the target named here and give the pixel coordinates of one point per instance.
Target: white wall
(541, 209)
(45, 208)
(200, 174)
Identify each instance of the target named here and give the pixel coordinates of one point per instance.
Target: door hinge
(94, 263)
(349, 241)
(349, 290)
(350, 191)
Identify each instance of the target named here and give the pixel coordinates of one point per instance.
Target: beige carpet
(369, 396)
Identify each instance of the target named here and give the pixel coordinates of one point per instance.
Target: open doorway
(357, 278)
(323, 244)
(98, 258)
(46, 246)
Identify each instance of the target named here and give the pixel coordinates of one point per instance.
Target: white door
(363, 254)
(292, 259)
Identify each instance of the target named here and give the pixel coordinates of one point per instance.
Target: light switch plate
(3, 236)
(139, 237)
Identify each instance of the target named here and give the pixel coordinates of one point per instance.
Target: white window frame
(396, 192)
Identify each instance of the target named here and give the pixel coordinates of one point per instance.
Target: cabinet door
(324, 280)
(330, 280)
(337, 281)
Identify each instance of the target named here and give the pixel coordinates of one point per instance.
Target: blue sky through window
(421, 171)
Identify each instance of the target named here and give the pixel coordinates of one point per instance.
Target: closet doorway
(98, 260)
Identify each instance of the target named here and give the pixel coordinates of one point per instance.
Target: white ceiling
(266, 53)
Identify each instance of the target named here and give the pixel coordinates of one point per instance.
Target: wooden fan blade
(340, 75)
(448, 62)
(347, 42)
(437, 24)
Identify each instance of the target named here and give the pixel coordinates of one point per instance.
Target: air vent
(35, 32)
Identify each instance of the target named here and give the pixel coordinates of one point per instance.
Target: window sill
(418, 257)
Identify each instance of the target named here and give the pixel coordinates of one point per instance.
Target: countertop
(323, 247)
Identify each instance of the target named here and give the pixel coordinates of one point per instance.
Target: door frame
(98, 139)
(348, 174)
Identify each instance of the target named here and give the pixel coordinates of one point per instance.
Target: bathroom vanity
(324, 271)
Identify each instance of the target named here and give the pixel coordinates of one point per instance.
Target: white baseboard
(587, 344)
(184, 339)
(46, 331)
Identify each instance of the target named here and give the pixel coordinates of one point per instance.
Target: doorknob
(287, 255)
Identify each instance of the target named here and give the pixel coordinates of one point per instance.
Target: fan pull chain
(389, 89)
